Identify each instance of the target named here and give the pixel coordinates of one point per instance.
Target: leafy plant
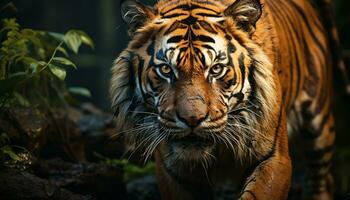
(33, 65)
(12, 155)
(131, 171)
(6, 149)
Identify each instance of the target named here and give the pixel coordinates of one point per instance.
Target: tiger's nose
(191, 119)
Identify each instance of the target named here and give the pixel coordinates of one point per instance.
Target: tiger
(216, 90)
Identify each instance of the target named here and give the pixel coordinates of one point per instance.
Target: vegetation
(32, 65)
(32, 71)
(131, 171)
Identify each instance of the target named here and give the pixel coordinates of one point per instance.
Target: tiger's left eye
(165, 70)
(217, 69)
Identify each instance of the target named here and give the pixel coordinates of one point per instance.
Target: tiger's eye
(216, 69)
(165, 69)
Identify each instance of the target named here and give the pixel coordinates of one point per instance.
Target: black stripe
(207, 26)
(229, 82)
(175, 39)
(312, 134)
(317, 154)
(204, 38)
(139, 74)
(189, 20)
(176, 25)
(208, 15)
(161, 56)
(150, 48)
(208, 47)
(312, 32)
(318, 165)
(186, 7)
(231, 48)
(239, 96)
(242, 68)
(173, 15)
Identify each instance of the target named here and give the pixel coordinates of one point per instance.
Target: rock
(17, 185)
(144, 188)
(101, 180)
(63, 138)
(26, 127)
(98, 129)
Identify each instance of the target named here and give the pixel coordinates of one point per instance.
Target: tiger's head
(192, 79)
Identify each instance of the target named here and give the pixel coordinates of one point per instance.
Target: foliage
(12, 155)
(131, 171)
(6, 149)
(32, 72)
(33, 65)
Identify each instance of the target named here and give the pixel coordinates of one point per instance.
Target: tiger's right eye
(165, 70)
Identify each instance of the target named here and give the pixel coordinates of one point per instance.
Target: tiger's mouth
(192, 140)
(190, 148)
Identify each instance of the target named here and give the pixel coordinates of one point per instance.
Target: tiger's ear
(246, 13)
(135, 14)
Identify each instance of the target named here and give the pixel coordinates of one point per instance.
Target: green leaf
(62, 50)
(57, 36)
(8, 151)
(86, 39)
(73, 41)
(58, 71)
(80, 91)
(42, 63)
(64, 61)
(25, 59)
(10, 24)
(34, 67)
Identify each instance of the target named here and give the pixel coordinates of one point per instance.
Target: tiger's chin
(190, 150)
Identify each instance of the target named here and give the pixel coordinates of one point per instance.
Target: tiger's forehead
(193, 34)
(169, 4)
(199, 9)
(191, 48)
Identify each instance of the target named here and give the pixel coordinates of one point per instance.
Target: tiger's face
(193, 71)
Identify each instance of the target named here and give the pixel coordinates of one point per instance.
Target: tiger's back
(305, 66)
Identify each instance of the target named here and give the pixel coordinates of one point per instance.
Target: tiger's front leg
(271, 178)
